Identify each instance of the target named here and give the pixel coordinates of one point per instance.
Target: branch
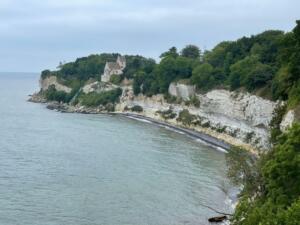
(227, 214)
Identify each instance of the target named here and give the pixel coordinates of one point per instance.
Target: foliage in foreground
(271, 193)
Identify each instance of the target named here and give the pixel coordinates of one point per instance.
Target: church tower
(121, 62)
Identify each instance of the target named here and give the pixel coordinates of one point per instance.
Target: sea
(78, 169)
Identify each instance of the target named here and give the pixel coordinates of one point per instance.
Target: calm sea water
(72, 169)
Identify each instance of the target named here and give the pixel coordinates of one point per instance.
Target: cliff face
(239, 118)
(52, 80)
(98, 87)
(293, 115)
(181, 90)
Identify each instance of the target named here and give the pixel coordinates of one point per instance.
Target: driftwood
(223, 213)
(217, 219)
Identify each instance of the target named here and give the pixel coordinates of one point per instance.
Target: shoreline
(208, 139)
(211, 135)
(189, 132)
(217, 144)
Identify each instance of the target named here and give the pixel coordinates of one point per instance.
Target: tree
(191, 51)
(138, 81)
(184, 67)
(286, 84)
(203, 76)
(171, 53)
(295, 56)
(250, 73)
(216, 57)
(277, 201)
(45, 73)
(282, 169)
(258, 77)
(166, 73)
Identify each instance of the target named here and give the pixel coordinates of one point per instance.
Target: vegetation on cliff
(271, 193)
(267, 64)
(103, 98)
(51, 94)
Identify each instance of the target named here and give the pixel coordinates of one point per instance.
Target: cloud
(40, 33)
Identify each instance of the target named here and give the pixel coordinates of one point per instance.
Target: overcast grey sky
(37, 34)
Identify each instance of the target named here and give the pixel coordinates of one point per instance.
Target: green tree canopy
(203, 76)
(171, 53)
(191, 51)
(250, 73)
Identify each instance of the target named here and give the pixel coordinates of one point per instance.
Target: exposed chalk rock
(287, 120)
(243, 116)
(98, 87)
(180, 90)
(52, 80)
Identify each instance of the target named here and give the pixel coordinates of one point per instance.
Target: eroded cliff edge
(238, 118)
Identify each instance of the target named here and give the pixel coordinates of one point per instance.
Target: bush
(103, 98)
(221, 129)
(51, 94)
(116, 79)
(278, 114)
(45, 73)
(249, 137)
(137, 109)
(167, 114)
(170, 98)
(206, 124)
(271, 193)
(185, 117)
(193, 101)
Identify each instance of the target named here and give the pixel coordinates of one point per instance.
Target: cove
(79, 169)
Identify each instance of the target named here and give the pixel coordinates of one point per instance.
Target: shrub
(110, 107)
(51, 94)
(221, 129)
(249, 137)
(45, 73)
(193, 101)
(170, 98)
(271, 193)
(278, 114)
(185, 117)
(103, 98)
(137, 108)
(167, 114)
(116, 79)
(206, 124)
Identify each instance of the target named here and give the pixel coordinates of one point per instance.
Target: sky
(38, 34)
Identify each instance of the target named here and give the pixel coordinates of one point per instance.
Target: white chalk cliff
(52, 80)
(181, 90)
(241, 119)
(244, 117)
